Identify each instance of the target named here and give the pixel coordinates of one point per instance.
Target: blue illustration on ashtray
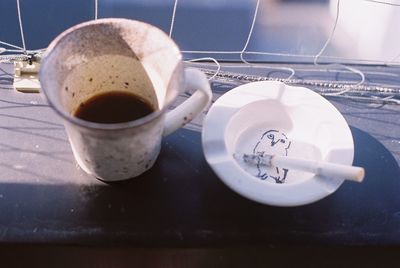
(272, 142)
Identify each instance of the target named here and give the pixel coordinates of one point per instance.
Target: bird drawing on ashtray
(272, 142)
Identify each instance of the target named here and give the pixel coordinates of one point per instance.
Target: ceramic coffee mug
(119, 55)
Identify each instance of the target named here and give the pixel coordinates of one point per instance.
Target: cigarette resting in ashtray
(321, 168)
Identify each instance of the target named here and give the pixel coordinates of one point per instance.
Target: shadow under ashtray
(265, 128)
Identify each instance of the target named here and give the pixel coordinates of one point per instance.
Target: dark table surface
(46, 198)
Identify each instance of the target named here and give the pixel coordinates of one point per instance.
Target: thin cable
(208, 59)
(10, 45)
(20, 27)
(96, 9)
(367, 99)
(330, 35)
(335, 85)
(382, 2)
(352, 69)
(209, 52)
(2, 50)
(316, 57)
(250, 32)
(242, 52)
(352, 60)
(262, 66)
(171, 28)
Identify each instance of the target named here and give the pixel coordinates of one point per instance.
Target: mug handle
(189, 109)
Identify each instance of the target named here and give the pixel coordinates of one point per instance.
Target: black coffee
(113, 107)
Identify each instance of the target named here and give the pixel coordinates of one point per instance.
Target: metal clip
(26, 75)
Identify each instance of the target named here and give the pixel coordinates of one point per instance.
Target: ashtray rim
(240, 181)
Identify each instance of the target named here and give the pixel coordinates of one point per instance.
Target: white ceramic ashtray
(273, 118)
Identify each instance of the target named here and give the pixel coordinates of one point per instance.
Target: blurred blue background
(283, 26)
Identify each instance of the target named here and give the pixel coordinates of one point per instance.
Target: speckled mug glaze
(124, 55)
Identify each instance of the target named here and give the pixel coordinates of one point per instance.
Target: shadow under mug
(119, 55)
